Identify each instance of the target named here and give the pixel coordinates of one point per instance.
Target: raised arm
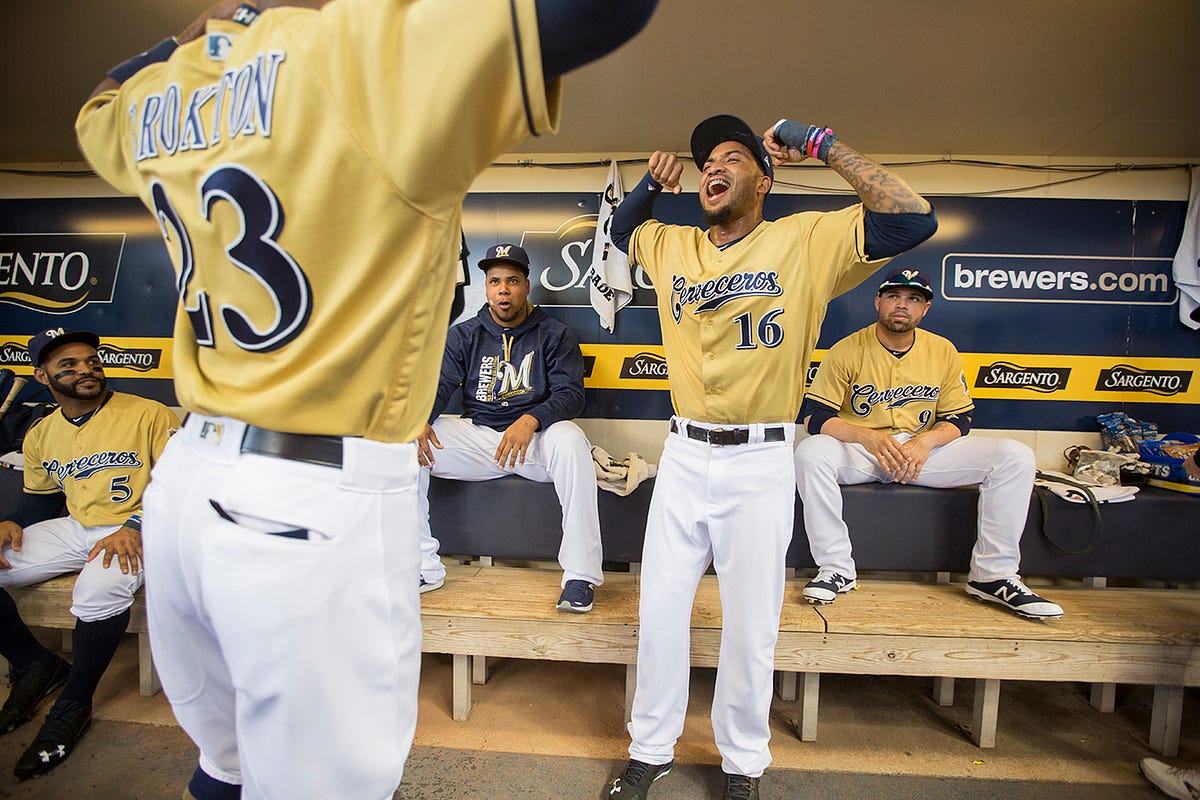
(225, 9)
(575, 32)
(880, 189)
(638, 206)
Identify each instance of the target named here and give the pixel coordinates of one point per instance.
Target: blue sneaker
(577, 596)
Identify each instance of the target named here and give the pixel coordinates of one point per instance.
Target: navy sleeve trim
(636, 208)
(34, 508)
(960, 421)
(887, 235)
(818, 414)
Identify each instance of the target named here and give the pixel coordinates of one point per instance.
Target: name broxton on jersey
(864, 396)
(243, 97)
(86, 466)
(513, 381)
(716, 292)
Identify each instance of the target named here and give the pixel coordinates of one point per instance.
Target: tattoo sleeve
(880, 189)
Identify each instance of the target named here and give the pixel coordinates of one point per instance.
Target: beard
(66, 390)
(717, 216)
(898, 326)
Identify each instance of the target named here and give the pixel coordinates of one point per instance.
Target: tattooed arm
(880, 189)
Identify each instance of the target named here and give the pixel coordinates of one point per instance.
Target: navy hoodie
(535, 368)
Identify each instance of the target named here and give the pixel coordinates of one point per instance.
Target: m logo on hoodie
(500, 380)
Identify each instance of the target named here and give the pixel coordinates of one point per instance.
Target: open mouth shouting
(716, 187)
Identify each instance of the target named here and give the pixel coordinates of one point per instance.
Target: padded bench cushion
(895, 528)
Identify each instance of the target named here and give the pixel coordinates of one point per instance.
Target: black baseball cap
(728, 128)
(41, 344)
(907, 279)
(506, 254)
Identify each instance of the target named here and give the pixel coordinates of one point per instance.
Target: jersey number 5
(256, 252)
(770, 332)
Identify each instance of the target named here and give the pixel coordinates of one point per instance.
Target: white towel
(611, 286)
(621, 477)
(1186, 267)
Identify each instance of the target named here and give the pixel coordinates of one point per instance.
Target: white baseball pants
(292, 662)
(1003, 468)
(733, 507)
(61, 545)
(560, 454)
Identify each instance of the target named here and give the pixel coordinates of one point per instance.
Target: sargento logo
(1163, 382)
(138, 359)
(1003, 375)
(59, 273)
(134, 358)
(645, 365)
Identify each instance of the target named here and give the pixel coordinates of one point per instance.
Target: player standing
(740, 305)
(890, 404)
(307, 162)
(96, 451)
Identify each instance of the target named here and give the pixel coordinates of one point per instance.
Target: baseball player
(96, 450)
(520, 374)
(307, 162)
(890, 404)
(740, 305)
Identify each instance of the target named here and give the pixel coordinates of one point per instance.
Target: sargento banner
(989, 376)
(122, 357)
(1062, 309)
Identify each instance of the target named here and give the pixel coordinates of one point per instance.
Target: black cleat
(29, 689)
(64, 726)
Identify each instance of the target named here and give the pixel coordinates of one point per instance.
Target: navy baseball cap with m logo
(506, 254)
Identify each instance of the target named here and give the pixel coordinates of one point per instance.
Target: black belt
(310, 448)
(727, 436)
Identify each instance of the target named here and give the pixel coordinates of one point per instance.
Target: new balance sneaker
(1015, 596)
(428, 586)
(577, 596)
(29, 689)
(826, 587)
(64, 726)
(1182, 784)
(740, 787)
(634, 782)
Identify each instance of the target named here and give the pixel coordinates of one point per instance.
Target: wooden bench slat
(1090, 615)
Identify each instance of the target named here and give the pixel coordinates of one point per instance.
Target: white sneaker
(826, 587)
(428, 586)
(1182, 784)
(1015, 596)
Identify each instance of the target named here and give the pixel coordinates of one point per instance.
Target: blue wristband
(160, 52)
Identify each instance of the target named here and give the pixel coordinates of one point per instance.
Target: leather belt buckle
(723, 437)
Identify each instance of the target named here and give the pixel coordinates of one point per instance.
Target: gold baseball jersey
(869, 386)
(103, 465)
(739, 324)
(308, 172)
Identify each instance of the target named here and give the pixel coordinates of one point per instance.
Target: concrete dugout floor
(555, 730)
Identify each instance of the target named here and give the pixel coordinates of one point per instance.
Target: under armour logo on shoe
(61, 751)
